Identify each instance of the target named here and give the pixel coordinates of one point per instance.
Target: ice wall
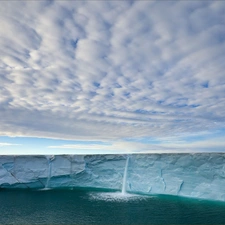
(192, 175)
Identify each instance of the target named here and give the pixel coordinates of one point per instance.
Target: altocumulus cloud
(109, 70)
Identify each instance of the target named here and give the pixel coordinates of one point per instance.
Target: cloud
(7, 144)
(111, 70)
(161, 145)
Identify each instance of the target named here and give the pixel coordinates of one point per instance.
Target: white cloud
(4, 144)
(111, 70)
(165, 145)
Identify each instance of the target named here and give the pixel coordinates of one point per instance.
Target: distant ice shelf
(191, 175)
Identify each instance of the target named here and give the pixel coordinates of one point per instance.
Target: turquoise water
(95, 207)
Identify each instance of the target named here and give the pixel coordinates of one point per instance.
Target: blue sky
(87, 77)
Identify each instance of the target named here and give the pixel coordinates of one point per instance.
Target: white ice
(191, 175)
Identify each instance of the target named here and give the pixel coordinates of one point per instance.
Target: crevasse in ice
(191, 175)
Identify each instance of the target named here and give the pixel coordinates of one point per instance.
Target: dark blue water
(88, 207)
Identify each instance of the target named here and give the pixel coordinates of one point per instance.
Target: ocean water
(97, 207)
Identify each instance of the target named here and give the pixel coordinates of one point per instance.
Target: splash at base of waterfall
(45, 189)
(116, 196)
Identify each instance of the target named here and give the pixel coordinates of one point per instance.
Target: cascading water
(117, 196)
(125, 177)
(50, 159)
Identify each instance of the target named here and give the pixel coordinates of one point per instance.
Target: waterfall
(50, 159)
(125, 177)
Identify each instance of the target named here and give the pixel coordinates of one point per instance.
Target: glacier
(199, 175)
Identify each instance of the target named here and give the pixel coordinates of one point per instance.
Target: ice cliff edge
(191, 175)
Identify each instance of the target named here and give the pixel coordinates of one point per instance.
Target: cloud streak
(171, 145)
(111, 70)
(4, 144)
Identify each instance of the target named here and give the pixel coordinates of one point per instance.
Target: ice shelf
(191, 175)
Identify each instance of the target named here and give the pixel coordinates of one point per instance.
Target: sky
(99, 77)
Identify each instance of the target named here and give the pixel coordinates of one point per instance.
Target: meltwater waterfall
(125, 177)
(50, 159)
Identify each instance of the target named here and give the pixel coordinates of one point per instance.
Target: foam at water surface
(116, 196)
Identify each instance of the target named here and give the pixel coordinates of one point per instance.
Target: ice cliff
(191, 175)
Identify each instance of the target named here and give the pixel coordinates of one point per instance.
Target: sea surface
(103, 207)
